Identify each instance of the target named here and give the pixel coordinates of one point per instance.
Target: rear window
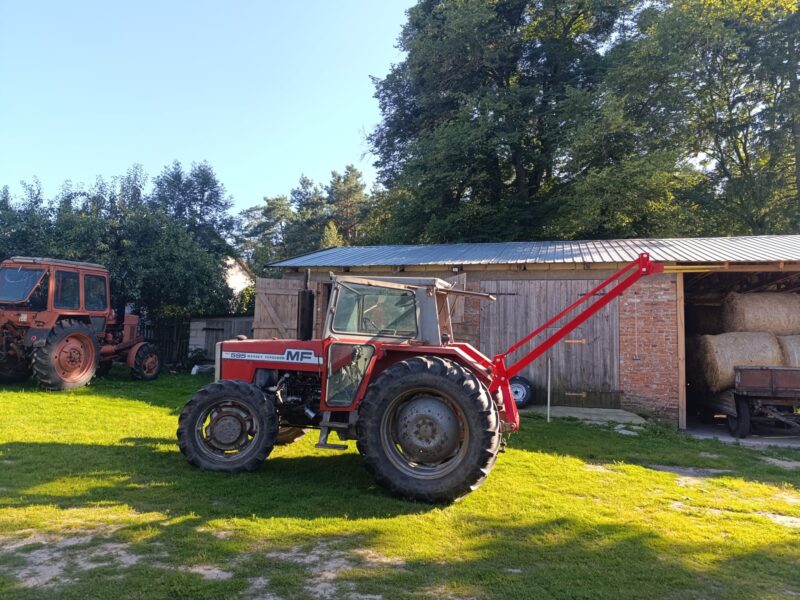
(17, 283)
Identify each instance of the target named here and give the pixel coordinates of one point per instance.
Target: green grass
(97, 502)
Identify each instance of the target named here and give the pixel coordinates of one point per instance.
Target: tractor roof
(53, 261)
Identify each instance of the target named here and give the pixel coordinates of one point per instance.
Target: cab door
(347, 364)
(96, 300)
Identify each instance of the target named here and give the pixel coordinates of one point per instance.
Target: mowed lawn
(97, 502)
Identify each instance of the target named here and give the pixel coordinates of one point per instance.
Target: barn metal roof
(744, 249)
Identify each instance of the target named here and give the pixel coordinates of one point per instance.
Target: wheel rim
(74, 358)
(424, 434)
(518, 392)
(227, 431)
(150, 364)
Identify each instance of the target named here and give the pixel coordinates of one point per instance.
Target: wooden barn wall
(276, 308)
(204, 333)
(584, 367)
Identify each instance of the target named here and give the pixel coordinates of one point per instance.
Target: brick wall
(648, 353)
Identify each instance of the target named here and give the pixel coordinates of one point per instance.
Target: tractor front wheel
(69, 357)
(146, 363)
(228, 426)
(428, 430)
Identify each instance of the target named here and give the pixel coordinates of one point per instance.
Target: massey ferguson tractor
(56, 323)
(427, 413)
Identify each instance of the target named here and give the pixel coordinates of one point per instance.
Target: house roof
(743, 249)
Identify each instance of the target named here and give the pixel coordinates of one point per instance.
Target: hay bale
(703, 320)
(790, 345)
(766, 313)
(717, 355)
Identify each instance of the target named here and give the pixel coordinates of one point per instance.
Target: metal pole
(548, 388)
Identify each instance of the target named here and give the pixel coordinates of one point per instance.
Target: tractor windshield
(375, 310)
(17, 283)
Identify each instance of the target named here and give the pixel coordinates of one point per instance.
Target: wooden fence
(171, 338)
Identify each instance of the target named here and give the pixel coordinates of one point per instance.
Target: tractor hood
(236, 359)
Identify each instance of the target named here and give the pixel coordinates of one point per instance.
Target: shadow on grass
(148, 478)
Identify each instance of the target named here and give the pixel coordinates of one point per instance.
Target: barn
(632, 355)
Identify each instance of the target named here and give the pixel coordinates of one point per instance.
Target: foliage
(97, 502)
(163, 251)
(515, 119)
(245, 303)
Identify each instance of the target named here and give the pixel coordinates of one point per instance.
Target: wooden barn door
(584, 367)
(276, 308)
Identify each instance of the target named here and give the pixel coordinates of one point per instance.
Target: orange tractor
(56, 323)
(427, 412)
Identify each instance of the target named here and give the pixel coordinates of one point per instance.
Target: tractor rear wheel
(428, 430)
(228, 426)
(13, 370)
(69, 357)
(146, 363)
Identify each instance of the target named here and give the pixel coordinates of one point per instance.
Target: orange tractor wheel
(69, 357)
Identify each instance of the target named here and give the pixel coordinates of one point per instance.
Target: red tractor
(56, 323)
(427, 413)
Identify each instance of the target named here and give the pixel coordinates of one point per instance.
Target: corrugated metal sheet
(766, 248)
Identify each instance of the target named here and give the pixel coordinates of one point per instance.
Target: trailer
(761, 396)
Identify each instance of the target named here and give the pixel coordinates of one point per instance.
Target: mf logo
(298, 355)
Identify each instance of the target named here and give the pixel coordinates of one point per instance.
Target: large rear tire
(69, 357)
(146, 363)
(14, 370)
(428, 430)
(228, 426)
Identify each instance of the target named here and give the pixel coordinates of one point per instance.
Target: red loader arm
(610, 289)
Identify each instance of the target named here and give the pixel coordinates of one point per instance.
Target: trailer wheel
(428, 430)
(146, 363)
(228, 426)
(69, 357)
(288, 435)
(14, 370)
(739, 426)
(522, 390)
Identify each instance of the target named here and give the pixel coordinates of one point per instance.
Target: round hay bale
(766, 313)
(790, 345)
(719, 354)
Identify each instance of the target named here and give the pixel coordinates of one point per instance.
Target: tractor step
(325, 429)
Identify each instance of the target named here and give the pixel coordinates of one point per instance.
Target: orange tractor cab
(427, 412)
(56, 323)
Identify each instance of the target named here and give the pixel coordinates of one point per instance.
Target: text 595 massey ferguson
(427, 412)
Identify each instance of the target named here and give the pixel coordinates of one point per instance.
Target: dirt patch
(329, 566)
(696, 472)
(209, 572)
(786, 520)
(47, 562)
(598, 468)
(783, 463)
(788, 497)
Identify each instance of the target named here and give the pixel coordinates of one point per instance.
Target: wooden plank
(681, 352)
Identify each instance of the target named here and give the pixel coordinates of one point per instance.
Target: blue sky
(263, 90)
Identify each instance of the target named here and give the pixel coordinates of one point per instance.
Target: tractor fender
(35, 337)
(131, 360)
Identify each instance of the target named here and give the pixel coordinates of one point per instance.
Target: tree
(348, 202)
(331, 237)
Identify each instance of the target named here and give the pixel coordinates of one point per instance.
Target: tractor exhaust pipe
(305, 310)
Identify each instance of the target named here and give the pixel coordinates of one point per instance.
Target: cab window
(67, 294)
(94, 292)
(367, 309)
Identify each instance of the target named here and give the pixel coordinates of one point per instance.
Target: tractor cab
(36, 292)
(392, 308)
